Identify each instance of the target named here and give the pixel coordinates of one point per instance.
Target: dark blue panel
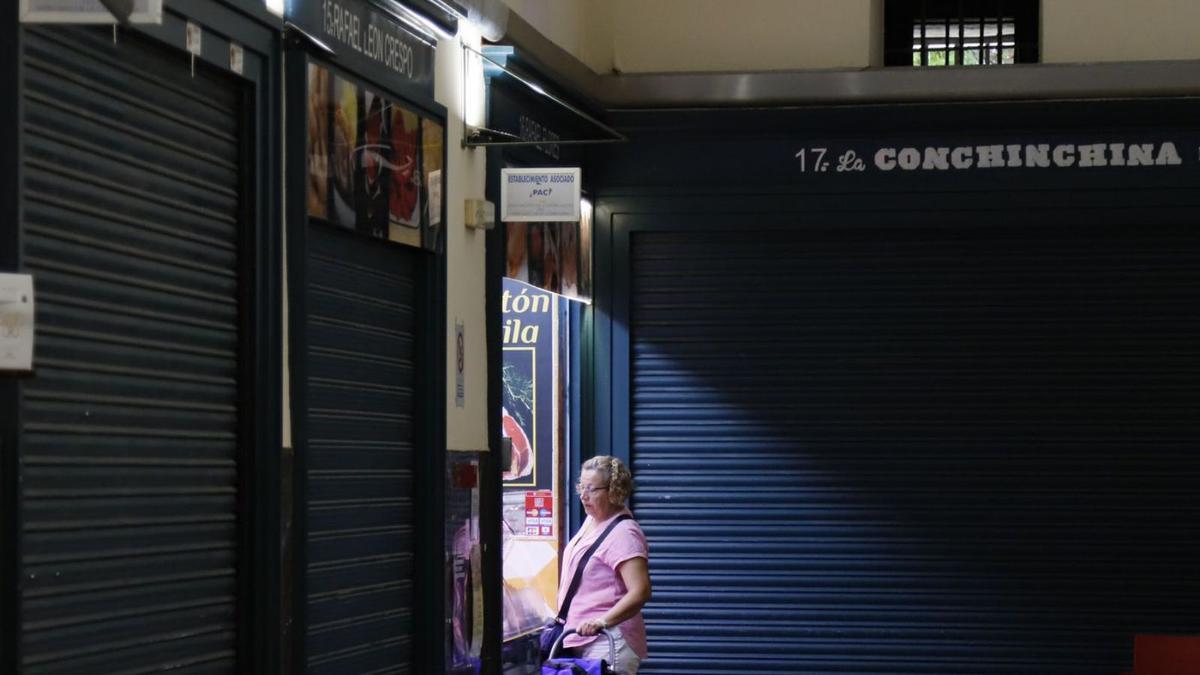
(913, 449)
(361, 323)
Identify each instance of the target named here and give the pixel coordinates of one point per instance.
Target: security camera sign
(540, 195)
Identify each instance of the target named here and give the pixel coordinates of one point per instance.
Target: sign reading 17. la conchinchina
(903, 158)
(540, 195)
(369, 42)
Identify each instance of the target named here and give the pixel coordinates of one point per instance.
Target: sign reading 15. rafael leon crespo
(369, 42)
(540, 195)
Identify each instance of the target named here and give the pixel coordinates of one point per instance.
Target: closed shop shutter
(361, 324)
(130, 436)
(916, 449)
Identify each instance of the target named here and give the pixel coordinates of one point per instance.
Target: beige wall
(466, 427)
(635, 36)
(718, 35)
(1080, 31)
(582, 27)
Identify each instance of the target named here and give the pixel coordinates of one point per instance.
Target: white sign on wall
(86, 11)
(16, 322)
(540, 195)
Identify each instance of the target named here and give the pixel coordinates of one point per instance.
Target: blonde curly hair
(615, 473)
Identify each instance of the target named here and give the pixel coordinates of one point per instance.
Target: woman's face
(593, 492)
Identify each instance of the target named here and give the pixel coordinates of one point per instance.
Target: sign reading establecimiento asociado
(540, 195)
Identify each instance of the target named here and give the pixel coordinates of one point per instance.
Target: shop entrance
(540, 410)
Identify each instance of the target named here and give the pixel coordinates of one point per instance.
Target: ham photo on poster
(374, 167)
(343, 150)
(405, 198)
(517, 251)
(517, 412)
(318, 141)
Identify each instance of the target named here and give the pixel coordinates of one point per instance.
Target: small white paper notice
(435, 197)
(16, 322)
(194, 36)
(237, 58)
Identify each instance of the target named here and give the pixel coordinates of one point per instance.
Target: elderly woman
(616, 580)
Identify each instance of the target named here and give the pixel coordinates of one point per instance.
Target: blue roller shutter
(915, 449)
(361, 328)
(132, 433)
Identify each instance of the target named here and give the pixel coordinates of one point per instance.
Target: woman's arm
(636, 575)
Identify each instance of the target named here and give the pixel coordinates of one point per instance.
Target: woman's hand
(590, 627)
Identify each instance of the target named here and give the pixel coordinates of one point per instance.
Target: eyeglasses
(582, 489)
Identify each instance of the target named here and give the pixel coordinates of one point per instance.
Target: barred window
(960, 32)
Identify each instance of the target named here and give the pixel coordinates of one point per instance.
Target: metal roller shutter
(361, 323)
(916, 450)
(131, 425)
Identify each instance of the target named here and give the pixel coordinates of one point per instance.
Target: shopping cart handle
(612, 645)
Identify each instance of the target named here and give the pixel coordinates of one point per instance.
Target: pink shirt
(602, 587)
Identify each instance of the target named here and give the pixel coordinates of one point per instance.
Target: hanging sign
(90, 11)
(540, 195)
(16, 322)
(369, 41)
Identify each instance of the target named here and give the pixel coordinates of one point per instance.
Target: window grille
(960, 32)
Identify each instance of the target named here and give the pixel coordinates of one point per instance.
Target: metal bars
(960, 32)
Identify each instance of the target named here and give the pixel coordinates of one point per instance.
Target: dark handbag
(552, 632)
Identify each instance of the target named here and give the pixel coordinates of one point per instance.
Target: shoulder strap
(578, 578)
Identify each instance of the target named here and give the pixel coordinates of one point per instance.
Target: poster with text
(528, 378)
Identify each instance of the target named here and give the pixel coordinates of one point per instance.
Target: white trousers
(627, 659)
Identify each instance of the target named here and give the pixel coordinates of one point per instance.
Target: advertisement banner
(528, 384)
(371, 161)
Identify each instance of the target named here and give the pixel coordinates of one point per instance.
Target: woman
(616, 580)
